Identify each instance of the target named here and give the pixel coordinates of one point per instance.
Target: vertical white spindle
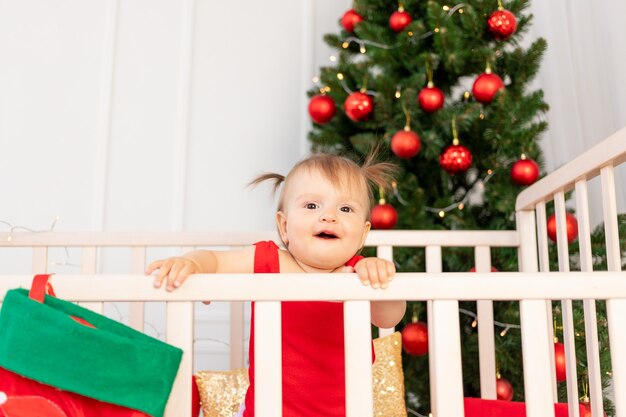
(236, 338)
(179, 332)
(89, 266)
(616, 310)
(486, 340)
(40, 260)
(358, 358)
(433, 265)
(445, 356)
(544, 266)
(591, 327)
(567, 311)
(268, 396)
(536, 343)
(138, 266)
(385, 252)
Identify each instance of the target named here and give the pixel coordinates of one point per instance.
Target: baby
(322, 220)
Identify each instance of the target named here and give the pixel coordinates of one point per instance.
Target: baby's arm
(178, 268)
(378, 273)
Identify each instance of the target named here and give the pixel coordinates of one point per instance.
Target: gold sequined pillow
(388, 377)
(222, 392)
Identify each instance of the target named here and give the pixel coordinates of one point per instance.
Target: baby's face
(323, 225)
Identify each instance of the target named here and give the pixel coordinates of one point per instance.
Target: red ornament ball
(358, 106)
(525, 172)
(350, 19)
(415, 338)
(585, 409)
(559, 361)
(405, 144)
(504, 389)
(502, 24)
(455, 159)
(383, 216)
(399, 20)
(571, 226)
(486, 86)
(431, 99)
(321, 108)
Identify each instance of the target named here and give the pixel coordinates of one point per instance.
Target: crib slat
(536, 341)
(179, 332)
(89, 266)
(385, 252)
(544, 266)
(138, 266)
(433, 265)
(445, 355)
(616, 311)
(589, 306)
(268, 397)
(567, 311)
(236, 335)
(358, 354)
(40, 260)
(535, 348)
(609, 207)
(486, 342)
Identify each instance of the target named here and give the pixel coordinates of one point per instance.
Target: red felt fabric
(477, 407)
(25, 395)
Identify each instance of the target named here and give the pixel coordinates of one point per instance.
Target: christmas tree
(445, 89)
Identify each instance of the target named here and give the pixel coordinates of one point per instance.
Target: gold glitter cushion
(222, 392)
(388, 377)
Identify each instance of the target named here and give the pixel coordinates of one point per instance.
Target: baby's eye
(311, 206)
(346, 209)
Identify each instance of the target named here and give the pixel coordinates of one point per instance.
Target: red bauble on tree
(502, 24)
(321, 108)
(415, 338)
(504, 389)
(383, 216)
(358, 106)
(525, 171)
(430, 98)
(559, 361)
(455, 159)
(571, 226)
(405, 143)
(349, 19)
(585, 408)
(399, 20)
(486, 86)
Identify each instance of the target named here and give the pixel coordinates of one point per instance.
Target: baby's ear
(281, 224)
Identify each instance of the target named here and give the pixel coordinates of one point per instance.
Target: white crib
(534, 287)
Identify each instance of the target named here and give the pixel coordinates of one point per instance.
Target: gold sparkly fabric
(388, 377)
(222, 392)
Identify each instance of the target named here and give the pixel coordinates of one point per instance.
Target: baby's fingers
(154, 266)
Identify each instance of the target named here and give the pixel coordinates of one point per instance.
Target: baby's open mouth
(326, 235)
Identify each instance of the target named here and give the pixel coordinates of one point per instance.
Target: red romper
(312, 351)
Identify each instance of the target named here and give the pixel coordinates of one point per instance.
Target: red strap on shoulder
(354, 260)
(41, 287)
(266, 258)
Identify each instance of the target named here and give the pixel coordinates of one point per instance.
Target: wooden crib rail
(444, 290)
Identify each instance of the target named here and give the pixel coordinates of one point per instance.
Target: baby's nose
(329, 217)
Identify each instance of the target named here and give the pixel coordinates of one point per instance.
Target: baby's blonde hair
(340, 171)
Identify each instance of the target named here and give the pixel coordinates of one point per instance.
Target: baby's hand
(375, 272)
(175, 270)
